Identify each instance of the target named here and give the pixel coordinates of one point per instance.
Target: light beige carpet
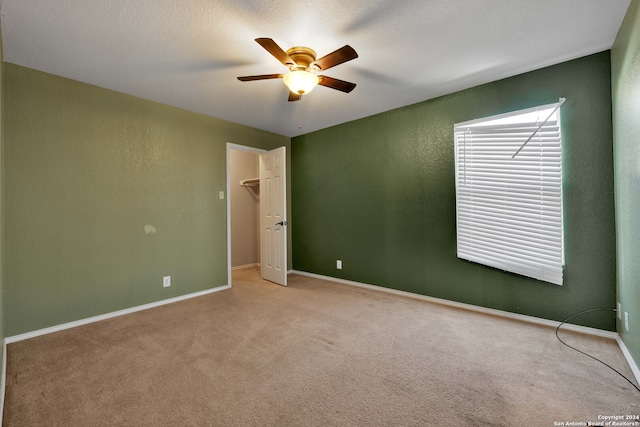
(313, 354)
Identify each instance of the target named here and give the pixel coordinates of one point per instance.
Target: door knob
(281, 223)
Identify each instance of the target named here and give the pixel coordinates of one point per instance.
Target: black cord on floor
(588, 355)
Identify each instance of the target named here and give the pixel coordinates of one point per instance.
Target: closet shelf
(251, 182)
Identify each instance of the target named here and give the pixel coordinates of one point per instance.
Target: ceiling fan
(302, 63)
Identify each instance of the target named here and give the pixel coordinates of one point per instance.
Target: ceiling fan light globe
(300, 82)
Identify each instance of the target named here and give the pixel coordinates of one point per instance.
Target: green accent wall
(625, 77)
(379, 194)
(86, 169)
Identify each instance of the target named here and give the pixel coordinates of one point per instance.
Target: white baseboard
(241, 267)
(630, 361)
(470, 307)
(81, 322)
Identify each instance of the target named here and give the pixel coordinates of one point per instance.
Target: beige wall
(245, 208)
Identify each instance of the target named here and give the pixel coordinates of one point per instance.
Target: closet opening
(243, 208)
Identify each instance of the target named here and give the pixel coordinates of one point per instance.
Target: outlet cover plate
(626, 321)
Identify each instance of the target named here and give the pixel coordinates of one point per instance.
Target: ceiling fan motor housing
(302, 56)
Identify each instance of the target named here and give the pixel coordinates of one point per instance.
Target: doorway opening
(266, 195)
(243, 208)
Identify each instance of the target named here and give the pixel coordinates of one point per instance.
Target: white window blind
(509, 209)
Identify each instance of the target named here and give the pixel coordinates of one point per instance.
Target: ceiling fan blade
(275, 50)
(340, 85)
(337, 57)
(294, 96)
(260, 77)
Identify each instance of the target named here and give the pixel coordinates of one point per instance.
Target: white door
(273, 221)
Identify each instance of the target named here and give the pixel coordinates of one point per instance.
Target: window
(509, 192)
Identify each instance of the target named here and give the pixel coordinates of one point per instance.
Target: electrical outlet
(619, 310)
(626, 321)
(220, 195)
(339, 264)
(166, 281)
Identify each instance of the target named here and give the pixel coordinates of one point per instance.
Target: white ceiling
(188, 53)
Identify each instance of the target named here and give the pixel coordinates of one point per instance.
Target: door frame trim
(232, 146)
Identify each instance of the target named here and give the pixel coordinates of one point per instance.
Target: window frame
(497, 185)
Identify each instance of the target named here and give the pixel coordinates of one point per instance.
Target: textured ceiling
(187, 53)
